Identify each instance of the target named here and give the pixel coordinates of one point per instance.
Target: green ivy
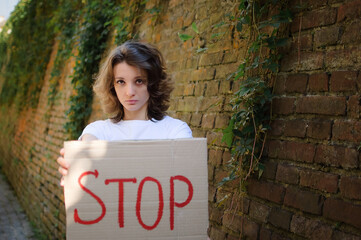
(25, 46)
(247, 130)
(93, 37)
(249, 124)
(65, 22)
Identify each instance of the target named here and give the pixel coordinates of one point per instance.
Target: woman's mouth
(131, 102)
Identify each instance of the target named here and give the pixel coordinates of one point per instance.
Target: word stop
(121, 182)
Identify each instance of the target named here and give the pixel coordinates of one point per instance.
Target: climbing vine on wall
(260, 23)
(65, 21)
(25, 45)
(247, 129)
(92, 42)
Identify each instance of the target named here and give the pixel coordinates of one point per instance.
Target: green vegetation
(247, 129)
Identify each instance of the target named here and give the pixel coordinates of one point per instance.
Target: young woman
(134, 91)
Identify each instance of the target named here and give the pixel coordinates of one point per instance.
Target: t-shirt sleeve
(182, 131)
(95, 128)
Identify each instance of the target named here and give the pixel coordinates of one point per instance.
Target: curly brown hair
(146, 57)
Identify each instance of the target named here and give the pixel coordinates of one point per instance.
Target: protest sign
(154, 189)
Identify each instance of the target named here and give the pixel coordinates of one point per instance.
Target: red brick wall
(312, 182)
(311, 187)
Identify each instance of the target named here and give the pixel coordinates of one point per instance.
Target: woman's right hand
(63, 168)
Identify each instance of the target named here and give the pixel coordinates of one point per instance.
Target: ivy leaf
(194, 27)
(260, 170)
(199, 50)
(216, 35)
(228, 133)
(184, 37)
(239, 26)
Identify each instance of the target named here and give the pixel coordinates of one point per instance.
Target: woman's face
(130, 84)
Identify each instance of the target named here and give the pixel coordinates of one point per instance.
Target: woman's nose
(130, 90)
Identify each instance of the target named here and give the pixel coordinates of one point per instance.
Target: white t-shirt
(167, 128)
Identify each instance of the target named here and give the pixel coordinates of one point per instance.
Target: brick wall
(311, 185)
(312, 182)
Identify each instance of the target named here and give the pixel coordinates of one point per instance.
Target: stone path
(14, 224)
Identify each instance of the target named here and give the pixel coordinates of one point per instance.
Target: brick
(279, 236)
(308, 3)
(296, 83)
(230, 236)
(279, 86)
(349, 10)
(215, 157)
(303, 62)
(208, 59)
(343, 81)
(265, 190)
(318, 82)
(259, 211)
(354, 106)
(277, 127)
(232, 221)
(327, 36)
(219, 175)
(350, 187)
(319, 129)
(295, 128)
(212, 88)
(189, 89)
(325, 105)
(265, 234)
(270, 170)
(217, 234)
(225, 87)
(346, 57)
(196, 119)
(302, 152)
(208, 120)
(203, 74)
(284, 105)
(224, 71)
(310, 228)
(287, 174)
(339, 210)
(280, 218)
(326, 182)
(250, 229)
(222, 121)
(351, 33)
(347, 131)
(275, 149)
(336, 156)
(344, 236)
(214, 138)
(211, 190)
(301, 42)
(226, 157)
(304, 200)
(213, 104)
(317, 18)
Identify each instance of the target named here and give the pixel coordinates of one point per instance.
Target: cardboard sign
(154, 189)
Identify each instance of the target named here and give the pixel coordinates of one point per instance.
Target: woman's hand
(63, 168)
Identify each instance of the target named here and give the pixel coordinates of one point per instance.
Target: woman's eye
(139, 81)
(121, 82)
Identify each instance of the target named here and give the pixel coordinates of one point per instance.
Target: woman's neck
(135, 116)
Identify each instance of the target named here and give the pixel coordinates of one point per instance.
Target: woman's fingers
(63, 171)
(62, 181)
(62, 162)
(62, 152)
